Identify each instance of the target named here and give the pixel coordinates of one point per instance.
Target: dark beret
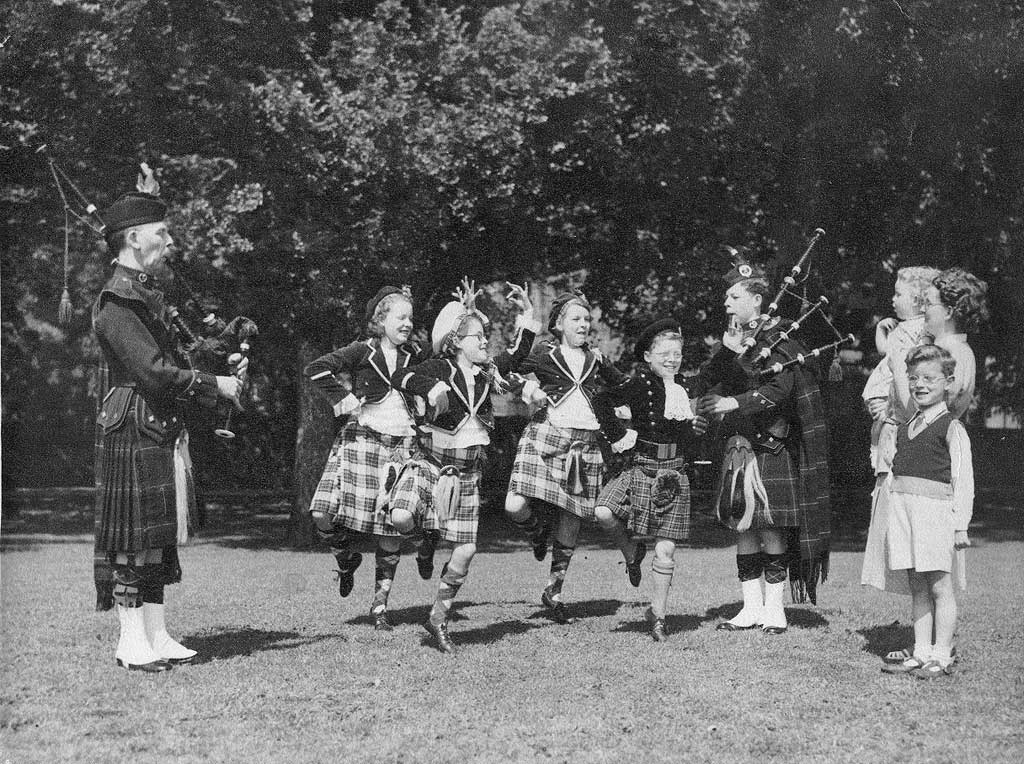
(383, 292)
(135, 208)
(559, 305)
(643, 342)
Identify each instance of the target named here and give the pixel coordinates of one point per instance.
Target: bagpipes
(214, 342)
(789, 284)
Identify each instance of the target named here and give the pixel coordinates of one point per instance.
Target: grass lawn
(292, 673)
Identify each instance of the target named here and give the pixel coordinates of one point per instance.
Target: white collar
(930, 415)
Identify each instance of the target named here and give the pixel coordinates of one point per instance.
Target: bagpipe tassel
(575, 470)
(447, 493)
(66, 310)
(835, 370)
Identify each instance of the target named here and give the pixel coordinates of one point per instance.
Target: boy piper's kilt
(414, 491)
(629, 498)
(135, 487)
(539, 470)
(354, 477)
(779, 475)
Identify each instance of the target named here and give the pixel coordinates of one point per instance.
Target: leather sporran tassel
(741, 485)
(575, 470)
(447, 493)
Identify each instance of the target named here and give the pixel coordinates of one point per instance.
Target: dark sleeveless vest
(926, 455)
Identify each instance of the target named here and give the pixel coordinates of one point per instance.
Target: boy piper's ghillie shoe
(346, 572)
(153, 667)
(556, 608)
(909, 665)
(933, 670)
(440, 634)
(633, 566)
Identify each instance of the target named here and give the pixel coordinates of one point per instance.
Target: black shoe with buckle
(556, 608)
(633, 567)
(381, 622)
(440, 634)
(347, 572)
(153, 667)
(658, 631)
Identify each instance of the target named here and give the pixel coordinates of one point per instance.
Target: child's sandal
(897, 656)
(911, 664)
(933, 670)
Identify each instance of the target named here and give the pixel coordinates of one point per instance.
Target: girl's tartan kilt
(355, 475)
(414, 491)
(628, 496)
(539, 469)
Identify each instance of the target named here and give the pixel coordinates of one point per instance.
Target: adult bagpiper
(144, 489)
(773, 488)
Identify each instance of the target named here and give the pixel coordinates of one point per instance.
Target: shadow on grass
(881, 640)
(485, 635)
(581, 610)
(675, 623)
(234, 643)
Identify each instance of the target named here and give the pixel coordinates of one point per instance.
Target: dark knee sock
(749, 566)
(387, 563)
(561, 556)
(152, 593)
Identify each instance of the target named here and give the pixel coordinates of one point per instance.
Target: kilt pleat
(629, 497)
(353, 478)
(414, 491)
(539, 470)
(135, 493)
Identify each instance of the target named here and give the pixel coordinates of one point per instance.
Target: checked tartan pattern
(539, 468)
(414, 491)
(353, 477)
(628, 496)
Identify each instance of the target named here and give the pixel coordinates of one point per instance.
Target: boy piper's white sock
(922, 651)
(942, 655)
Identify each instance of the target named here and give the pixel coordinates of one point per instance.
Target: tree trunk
(312, 444)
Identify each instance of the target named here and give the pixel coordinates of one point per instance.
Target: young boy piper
(931, 505)
(441, 487)
(558, 460)
(651, 497)
(372, 447)
(773, 487)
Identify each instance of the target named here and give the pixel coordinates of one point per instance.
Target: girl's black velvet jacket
(548, 364)
(645, 396)
(462, 403)
(359, 369)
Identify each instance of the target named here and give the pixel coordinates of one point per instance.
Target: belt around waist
(657, 450)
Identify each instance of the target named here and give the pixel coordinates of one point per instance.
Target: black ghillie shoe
(728, 626)
(633, 567)
(425, 555)
(539, 542)
(381, 622)
(346, 572)
(556, 608)
(440, 635)
(658, 631)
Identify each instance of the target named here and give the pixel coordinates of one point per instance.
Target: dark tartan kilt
(539, 470)
(414, 491)
(779, 473)
(352, 481)
(628, 496)
(135, 495)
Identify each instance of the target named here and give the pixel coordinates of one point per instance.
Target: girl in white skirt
(932, 496)
(372, 447)
(559, 461)
(441, 488)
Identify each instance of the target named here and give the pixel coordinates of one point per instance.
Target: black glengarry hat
(133, 208)
(561, 302)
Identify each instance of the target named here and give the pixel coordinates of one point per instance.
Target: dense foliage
(314, 149)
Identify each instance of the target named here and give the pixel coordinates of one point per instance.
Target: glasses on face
(480, 337)
(927, 379)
